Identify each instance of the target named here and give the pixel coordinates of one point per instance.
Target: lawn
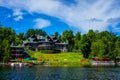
(63, 58)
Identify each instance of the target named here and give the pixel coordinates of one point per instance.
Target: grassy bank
(61, 59)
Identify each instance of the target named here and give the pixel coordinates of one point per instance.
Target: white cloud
(41, 23)
(17, 14)
(18, 18)
(8, 16)
(83, 15)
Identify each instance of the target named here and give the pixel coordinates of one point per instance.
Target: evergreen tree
(85, 45)
(67, 35)
(7, 36)
(5, 50)
(77, 39)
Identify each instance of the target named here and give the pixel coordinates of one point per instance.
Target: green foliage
(105, 45)
(99, 44)
(56, 34)
(29, 33)
(5, 51)
(33, 31)
(92, 44)
(21, 36)
(77, 38)
(7, 35)
(91, 35)
(97, 49)
(85, 45)
(116, 51)
(67, 35)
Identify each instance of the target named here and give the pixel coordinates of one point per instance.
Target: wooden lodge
(18, 52)
(37, 43)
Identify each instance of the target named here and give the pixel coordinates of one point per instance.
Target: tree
(1, 25)
(5, 50)
(97, 49)
(7, 36)
(56, 34)
(67, 35)
(29, 33)
(18, 41)
(77, 38)
(109, 41)
(86, 41)
(21, 36)
(116, 51)
(105, 34)
(33, 31)
(40, 32)
(91, 35)
(85, 45)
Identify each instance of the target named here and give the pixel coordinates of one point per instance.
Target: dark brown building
(37, 43)
(18, 52)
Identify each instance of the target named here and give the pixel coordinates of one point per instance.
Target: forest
(92, 44)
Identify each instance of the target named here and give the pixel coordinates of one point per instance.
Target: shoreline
(57, 64)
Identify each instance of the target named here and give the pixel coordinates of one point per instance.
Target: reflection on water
(59, 73)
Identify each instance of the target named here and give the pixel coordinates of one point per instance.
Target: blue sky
(59, 15)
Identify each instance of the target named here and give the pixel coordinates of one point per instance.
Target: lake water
(59, 73)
